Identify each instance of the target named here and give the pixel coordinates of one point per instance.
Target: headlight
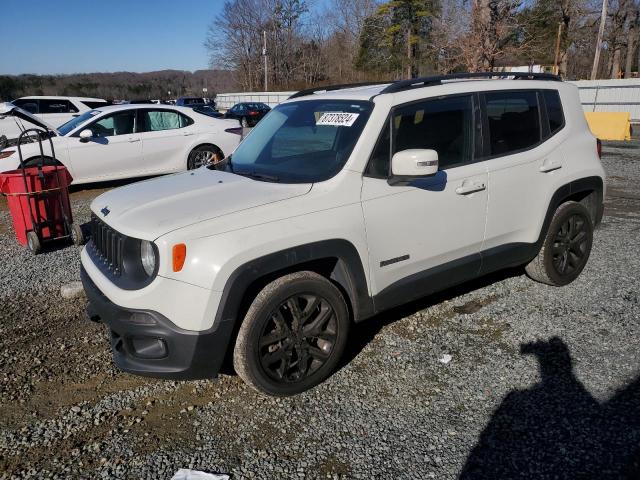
(148, 257)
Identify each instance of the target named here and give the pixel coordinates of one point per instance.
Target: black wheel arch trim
(348, 272)
(565, 192)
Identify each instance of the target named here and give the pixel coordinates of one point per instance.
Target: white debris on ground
(186, 474)
(446, 358)
(72, 290)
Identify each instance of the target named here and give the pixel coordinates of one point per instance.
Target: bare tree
(492, 33)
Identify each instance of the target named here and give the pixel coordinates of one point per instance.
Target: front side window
(57, 106)
(513, 119)
(121, 123)
(442, 124)
(301, 142)
(29, 105)
(159, 120)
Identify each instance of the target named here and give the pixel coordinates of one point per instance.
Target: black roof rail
(329, 88)
(438, 79)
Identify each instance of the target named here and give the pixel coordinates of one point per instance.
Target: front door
(114, 151)
(429, 233)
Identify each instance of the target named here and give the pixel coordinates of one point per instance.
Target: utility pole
(556, 66)
(409, 55)
(596, 57)
(264, 54)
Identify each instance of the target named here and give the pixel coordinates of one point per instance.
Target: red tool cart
(38, 198)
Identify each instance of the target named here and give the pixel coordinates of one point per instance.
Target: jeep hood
(153, 208)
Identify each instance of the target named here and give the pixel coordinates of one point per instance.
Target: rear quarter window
(555, 114)
(93, 105)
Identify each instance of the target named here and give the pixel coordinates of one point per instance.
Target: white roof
(138, 106)
(60, 97)
(366, 92)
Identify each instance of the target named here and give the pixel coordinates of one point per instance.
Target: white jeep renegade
(340, 204)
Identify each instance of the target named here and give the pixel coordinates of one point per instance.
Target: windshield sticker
(338, 119)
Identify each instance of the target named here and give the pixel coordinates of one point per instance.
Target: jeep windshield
(301, 142)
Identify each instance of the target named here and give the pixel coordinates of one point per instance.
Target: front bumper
(146, 343)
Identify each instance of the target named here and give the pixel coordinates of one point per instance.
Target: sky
(72, 36)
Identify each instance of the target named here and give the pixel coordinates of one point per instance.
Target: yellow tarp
(610, 125)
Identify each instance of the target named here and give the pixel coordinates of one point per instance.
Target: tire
(244, 122)
(202, 155)
(566, 247)
(279, 355)
(33, 243)
(77, 236)
(35, 161)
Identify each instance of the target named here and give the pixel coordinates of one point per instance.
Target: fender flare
(565, 192)
(348, 272)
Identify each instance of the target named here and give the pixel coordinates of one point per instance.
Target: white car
(124, 141)
(339, 205)
(54, 110)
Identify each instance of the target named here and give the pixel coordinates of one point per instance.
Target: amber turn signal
(179, 256)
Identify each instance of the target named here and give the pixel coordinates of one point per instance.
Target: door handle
(186, 134)
(466, 189)
(132, 140)
(548, 166)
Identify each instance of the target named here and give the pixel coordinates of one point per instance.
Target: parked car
(339, 205)
(248, 113)
(123, 141)
(207, 110)
(191, 101)
(53, 110)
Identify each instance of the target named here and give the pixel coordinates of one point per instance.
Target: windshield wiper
(260, 176)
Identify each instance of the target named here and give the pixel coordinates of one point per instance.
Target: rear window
(554, 110)
(514, 121)
(158, 120)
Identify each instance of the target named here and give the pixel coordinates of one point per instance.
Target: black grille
(107, 244)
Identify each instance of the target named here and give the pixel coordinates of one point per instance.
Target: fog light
(148, 347)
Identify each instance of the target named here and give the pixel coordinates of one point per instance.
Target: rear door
(114, 151)
(430, 232)
(523, 166)
(166, 135)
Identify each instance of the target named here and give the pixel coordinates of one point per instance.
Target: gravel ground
(542, 383)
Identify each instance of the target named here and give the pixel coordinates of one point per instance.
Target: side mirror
(86, 135)
(413, 163)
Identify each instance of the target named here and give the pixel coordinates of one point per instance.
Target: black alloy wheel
(293, 334)
(566, 246)
(570, 245)
(298, 338)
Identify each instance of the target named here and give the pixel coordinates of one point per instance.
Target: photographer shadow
(556, 429)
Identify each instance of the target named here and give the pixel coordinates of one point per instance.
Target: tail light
(253, 113)
(599, 148)
(237, 130)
